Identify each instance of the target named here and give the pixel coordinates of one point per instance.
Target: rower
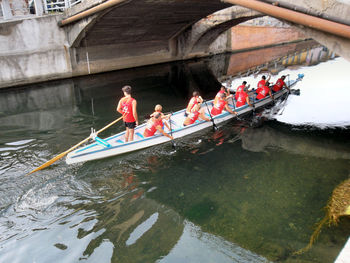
(220, 105)
(243, 98)
(154, 124)
(241, 88)
(280, 84)
(222, 90)
(263, 91)
(195, 113)
(158, 109)
(196, 98)
(263, 81)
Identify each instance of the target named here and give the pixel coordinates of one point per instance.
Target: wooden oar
(48, 163)
(173, 145)
(211, 118)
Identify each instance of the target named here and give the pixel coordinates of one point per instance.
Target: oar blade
(48, 163)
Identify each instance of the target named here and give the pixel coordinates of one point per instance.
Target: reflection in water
(264, 138)
(267, 202)
(234, 195)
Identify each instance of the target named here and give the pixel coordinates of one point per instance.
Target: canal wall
(33, 50)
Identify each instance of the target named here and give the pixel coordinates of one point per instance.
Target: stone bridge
(97, 36)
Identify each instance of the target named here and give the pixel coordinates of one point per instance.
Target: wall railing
(10, 9)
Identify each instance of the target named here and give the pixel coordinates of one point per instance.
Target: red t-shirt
(220, 92)
(262, 92)
(261, 83)
(218, 107)
(241, 99)
(127, 112)
(151, 127)
(238, 90)
(279, 85)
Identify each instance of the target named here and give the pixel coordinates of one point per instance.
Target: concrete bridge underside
(133, 33)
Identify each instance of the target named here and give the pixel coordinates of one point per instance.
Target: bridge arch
(135, 33)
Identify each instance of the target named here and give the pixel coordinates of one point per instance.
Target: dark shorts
(130, 125)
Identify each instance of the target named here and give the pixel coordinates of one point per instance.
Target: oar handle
(171, 133)
(211, 118)
(109, 125)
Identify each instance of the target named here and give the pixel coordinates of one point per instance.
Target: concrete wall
(33, 50)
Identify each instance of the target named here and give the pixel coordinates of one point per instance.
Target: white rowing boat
(115, 145)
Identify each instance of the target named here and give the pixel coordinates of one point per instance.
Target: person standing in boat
(127, 106)
(196, 99)
(154, 124)
(242, 98)
(263, 81)
(263, 91)
(195, 113)
(220, 105)
(280, 84)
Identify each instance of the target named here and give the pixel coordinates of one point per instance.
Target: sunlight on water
(325, 95)
(205, 247)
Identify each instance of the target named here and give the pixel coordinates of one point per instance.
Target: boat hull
(116, 146)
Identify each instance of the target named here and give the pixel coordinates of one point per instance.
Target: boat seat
(173, 123)
(102, 142)
(140, 135)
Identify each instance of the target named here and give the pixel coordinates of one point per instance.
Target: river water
(250, 192)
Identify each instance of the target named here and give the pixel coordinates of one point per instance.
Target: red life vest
(220, 92)
(151, 127)
(193, 101)
(238, 90)
(278, 86)
(193, 117)
(218, 107)
(241, 99)
(261, 83)
(262, 92)
(127, 112)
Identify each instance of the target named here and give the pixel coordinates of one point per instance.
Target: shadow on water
(239, 194)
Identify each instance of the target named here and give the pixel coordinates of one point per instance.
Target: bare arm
(134, 112)
(248, 101)
(229, 110)
(119, 108)
(268, 79)
(189, 107)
